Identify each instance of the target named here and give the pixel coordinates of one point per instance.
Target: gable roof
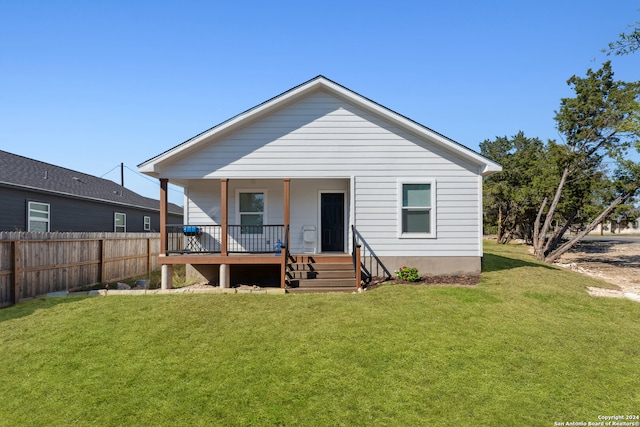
(486, 166)
(22, 172)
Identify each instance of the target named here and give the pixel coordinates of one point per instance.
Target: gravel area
(613, 262)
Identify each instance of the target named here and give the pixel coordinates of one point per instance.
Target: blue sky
(90, 84)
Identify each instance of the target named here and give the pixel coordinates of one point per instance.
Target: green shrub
(408, 274)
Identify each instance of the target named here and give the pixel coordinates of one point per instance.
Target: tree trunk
(536, 229)
(553, 256)
(541, 246)
(500, 227)
(557, 238)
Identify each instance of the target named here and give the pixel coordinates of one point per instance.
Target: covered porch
(221, 242)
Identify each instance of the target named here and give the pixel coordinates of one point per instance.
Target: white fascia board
(491, 168)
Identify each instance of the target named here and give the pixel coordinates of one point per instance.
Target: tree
(601, 121)
(511, 197)
(531, 172)
(627, 42)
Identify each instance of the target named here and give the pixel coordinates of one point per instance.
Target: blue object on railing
(278, 248)
(190, 230)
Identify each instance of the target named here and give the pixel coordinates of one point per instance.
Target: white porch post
(167, 276)
(224, 275)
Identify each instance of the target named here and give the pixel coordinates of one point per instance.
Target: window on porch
(251, 211)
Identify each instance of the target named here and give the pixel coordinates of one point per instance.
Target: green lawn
(526, 347)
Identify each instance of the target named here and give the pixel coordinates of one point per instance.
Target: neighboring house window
(251, 211)
(120, 222)
(39, 217)
(147, 223)
(416, 200)
(635, 224)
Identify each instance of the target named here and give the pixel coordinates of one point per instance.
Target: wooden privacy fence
(33, 264)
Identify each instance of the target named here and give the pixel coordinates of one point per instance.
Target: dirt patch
(616, 263)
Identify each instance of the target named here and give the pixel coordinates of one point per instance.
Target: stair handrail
(287, 256)
(367, 254)
(286, 243)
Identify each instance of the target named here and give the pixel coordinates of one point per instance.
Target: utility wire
(151, 179)
(116, 166)
(176, 188)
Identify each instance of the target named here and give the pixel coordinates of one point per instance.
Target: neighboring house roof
(22, 172)
(487, 167)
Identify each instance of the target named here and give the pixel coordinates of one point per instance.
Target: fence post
(149, 256)
(101, 261)
(16, 285)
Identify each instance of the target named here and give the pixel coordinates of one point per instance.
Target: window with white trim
(251, 211)
(147, 223)
(120, 222)
(416, 200)
(39, 214)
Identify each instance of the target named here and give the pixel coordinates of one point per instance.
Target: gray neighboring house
(39, 197)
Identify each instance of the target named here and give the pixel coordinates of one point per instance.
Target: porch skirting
(436, 266)
(260, 274)
(430, 266)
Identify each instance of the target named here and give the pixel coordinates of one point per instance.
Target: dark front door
(332, 222)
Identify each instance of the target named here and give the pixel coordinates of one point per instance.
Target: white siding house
(349, 166)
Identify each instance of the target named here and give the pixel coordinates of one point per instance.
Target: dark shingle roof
(23, 172)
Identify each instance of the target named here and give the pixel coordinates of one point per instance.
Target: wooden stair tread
(321, 273)
(343, 289)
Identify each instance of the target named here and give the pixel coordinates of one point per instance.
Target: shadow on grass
(492, 262)
(629, 261)
(26, 308)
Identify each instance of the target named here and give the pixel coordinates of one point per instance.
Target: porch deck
(254, 245)
(218, 258)
(299, 272)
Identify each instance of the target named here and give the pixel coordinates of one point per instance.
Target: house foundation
(436, 266)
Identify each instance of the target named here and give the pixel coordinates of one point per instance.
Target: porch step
(325, 283)
(321, 273)
(344, 289)
(321, 259)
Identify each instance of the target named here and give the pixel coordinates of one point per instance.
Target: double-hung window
(251, 211)
(120, 222)
(38, 217)
(147, 223)
(416, 200)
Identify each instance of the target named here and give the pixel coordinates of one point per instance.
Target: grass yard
(526, 347)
